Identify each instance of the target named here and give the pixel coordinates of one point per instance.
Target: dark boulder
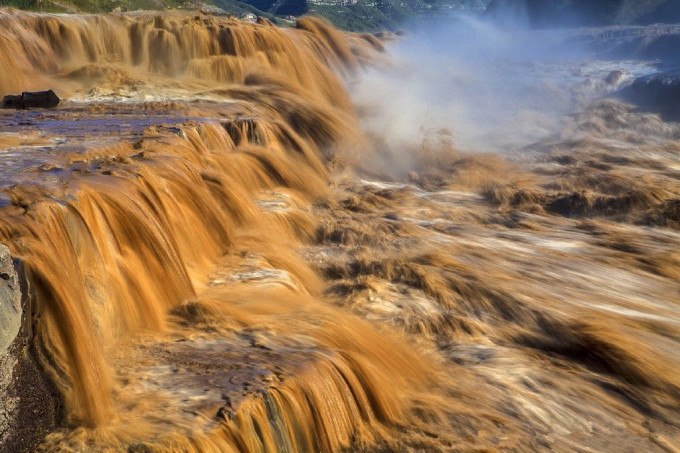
(31, 100)
(12, 101)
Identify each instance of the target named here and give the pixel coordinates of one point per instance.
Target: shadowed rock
(31, 100)
(656, 93)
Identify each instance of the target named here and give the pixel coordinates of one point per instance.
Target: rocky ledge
(29, 406)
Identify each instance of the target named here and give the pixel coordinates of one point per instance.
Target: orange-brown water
(220, 265)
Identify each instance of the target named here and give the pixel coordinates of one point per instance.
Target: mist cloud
(494, 89)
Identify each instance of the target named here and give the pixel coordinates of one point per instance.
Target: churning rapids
(225, 253)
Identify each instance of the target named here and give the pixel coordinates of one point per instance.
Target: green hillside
(354, 15)
(358, 15)
(104, 6)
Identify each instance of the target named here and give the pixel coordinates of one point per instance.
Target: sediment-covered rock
(28, 405)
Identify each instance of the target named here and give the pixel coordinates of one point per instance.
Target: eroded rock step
(50, 145)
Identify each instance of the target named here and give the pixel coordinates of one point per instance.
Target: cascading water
(127, 233)
(217, 263)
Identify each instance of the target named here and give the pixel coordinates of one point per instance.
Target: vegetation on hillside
(354, 15)
(372, 15)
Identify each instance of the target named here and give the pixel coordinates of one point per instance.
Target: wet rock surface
(28, 405)
(10, 307)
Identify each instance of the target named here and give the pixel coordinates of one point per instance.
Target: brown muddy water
(222, 261)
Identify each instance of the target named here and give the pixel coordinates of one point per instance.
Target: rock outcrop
(658, 93)
(29, 406)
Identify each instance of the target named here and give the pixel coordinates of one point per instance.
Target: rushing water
(229, 254)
